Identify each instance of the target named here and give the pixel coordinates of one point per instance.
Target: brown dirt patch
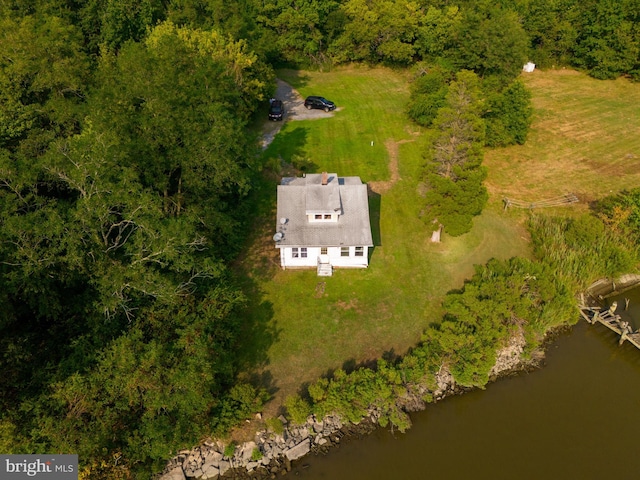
(392, 149)
(350, 305)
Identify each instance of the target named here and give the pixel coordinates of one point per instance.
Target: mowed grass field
(307, 325)
(585, 139)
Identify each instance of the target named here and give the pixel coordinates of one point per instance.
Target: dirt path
(383, 186)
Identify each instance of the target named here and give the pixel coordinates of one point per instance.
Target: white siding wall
(336, 258)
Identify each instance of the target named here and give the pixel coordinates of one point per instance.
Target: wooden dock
(612, 321)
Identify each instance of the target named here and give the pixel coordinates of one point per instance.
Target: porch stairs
(324, 267)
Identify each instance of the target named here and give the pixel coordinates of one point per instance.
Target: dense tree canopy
(378, 31)
(43, 80)
(120, 193)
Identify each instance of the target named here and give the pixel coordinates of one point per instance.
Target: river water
(578, 417)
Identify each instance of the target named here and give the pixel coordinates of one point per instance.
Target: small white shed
(529, 67)
(323, 222)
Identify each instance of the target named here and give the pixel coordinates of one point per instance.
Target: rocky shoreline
(270, 454)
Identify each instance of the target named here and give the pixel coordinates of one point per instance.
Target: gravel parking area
(294, 110)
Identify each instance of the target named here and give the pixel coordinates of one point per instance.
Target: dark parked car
(276, 110)
(319, 102)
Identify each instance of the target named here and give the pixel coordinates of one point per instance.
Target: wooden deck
(612, 321)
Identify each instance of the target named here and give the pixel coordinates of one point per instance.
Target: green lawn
(370, 109)
(318, 324)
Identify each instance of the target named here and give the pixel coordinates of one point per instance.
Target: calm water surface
(576, 418)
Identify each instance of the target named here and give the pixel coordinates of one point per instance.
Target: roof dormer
(323, 202)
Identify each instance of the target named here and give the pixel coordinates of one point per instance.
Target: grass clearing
(370, 105)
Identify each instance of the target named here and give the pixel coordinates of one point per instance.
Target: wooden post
(623, 337)
(435, 235)
(584, 315)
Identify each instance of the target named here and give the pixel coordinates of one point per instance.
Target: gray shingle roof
(298, 197)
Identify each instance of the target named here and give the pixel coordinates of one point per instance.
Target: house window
(327, 217)
(299, 252)
(318, 216)
(344, 251)
(323, 250)
(359, 252)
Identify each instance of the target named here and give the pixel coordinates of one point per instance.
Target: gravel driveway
(294, 110)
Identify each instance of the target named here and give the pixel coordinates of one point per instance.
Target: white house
(323, 222)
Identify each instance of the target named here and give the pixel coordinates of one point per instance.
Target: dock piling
(612, 321)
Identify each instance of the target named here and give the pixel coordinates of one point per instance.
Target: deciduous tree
(43, 81)
(609, 42)
(490, 41)
(299, 28)
(378, 31)
(508, 115)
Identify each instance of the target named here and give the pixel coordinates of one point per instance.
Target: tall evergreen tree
(454, 171)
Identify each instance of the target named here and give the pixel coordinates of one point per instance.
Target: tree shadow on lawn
(288, 147)
(258, 332)
(296, 78)
(351, 365)
(375, 203)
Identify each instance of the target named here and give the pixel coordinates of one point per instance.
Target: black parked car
(319, 102)
(276, 110)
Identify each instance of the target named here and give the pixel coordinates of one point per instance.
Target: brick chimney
(325, 178)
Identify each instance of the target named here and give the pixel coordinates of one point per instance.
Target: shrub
(230, 450)
(256, 455)
(298, 409)
(508, 116)
(275, 425)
